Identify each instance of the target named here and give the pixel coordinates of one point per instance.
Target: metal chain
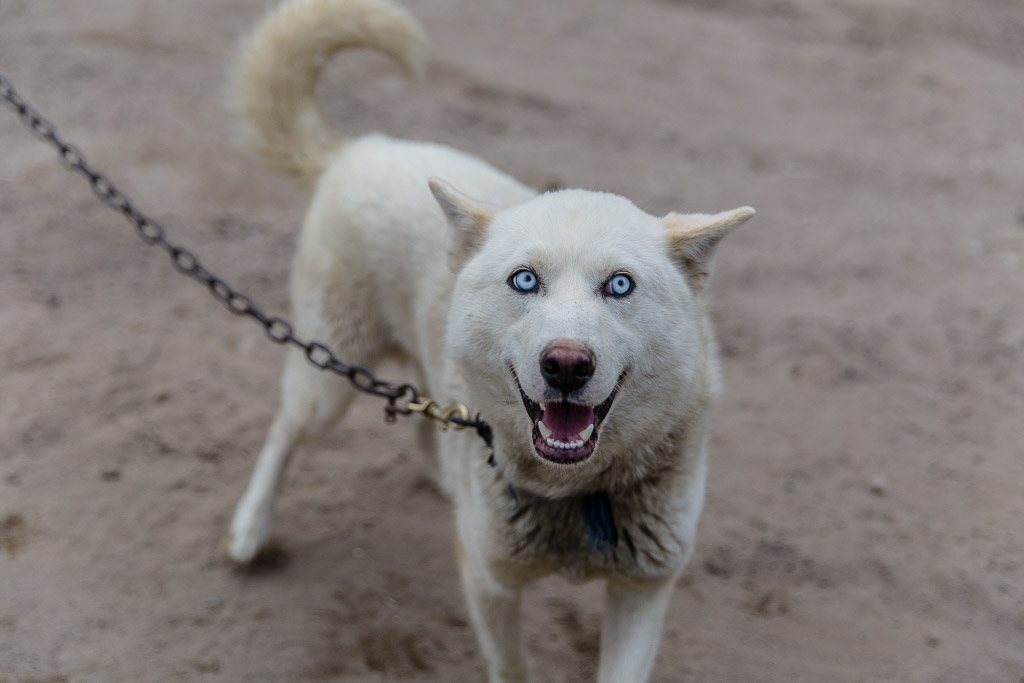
(402, 399)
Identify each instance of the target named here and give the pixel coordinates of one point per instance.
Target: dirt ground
(865, 517)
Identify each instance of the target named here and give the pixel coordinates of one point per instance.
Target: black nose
(566, 365)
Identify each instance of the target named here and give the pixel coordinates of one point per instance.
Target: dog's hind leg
(312, 400)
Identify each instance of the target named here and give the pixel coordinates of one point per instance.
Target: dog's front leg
(494, 609)
(632, 629)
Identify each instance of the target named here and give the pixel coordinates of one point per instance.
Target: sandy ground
(865, 519)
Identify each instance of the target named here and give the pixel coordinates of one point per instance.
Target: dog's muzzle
(565, 432)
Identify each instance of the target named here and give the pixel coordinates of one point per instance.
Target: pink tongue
(567, 420)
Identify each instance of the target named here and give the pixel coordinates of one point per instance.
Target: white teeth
(565, 446)
(554, 443)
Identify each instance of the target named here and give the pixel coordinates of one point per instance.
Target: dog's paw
(249, 531)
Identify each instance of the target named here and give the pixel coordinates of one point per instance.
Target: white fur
(385, 267)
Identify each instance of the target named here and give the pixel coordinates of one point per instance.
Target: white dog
(573, 321)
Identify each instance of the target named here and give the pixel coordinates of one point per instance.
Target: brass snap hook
(443, 416)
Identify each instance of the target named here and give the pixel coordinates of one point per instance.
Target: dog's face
(576, 320)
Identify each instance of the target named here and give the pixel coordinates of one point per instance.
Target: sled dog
(574, 322)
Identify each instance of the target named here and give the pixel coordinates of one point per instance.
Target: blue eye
(620, 284)
(524, 281)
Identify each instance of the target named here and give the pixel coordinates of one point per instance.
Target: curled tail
(280, 62)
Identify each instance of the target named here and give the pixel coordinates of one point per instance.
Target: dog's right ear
(467, 222)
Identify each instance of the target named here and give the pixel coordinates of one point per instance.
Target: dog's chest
(634, 534)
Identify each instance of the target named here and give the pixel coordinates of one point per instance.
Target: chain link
(402, 399)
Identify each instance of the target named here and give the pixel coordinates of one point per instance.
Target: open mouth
(565, 432)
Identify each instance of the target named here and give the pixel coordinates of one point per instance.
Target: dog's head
(577, 323)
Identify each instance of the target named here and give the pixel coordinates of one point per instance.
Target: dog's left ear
(467, 221)
(693, 240)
